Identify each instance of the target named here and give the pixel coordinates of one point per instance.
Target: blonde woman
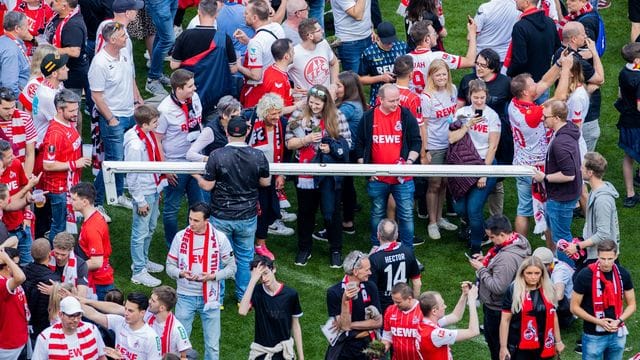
(58, 292)
(529, 327)
(319, 133)
(439, 101)
(36, 78)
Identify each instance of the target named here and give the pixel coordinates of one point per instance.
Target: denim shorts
(525, 201)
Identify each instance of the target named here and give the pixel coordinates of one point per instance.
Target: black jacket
(411, 140)
(38, 302)
(534, 40)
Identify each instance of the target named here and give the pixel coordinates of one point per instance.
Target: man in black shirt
(233, 174)
(599, 293)
(392, 263)
(277, 312)
(69, 267)
(354, 305)
(212, 67)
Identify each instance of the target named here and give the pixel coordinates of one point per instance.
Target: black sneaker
(347, 230)
(302, 258)
(336, 260)
(417, 241)
(320, 235)
(578, 349)
(577, 213)
(631, 201)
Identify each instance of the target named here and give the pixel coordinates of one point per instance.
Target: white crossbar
(110, 168)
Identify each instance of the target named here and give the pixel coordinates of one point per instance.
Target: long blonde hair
(520, 286)
(55, 298)
(436, 66)
(329, 110)
(41, 51)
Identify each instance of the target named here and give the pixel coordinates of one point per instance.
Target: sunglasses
(317, 92)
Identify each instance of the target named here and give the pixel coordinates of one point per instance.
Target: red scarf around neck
(307, 153)
(260, 137)
(605, 293)
(497, 248)
(166, 333)
(507, 59)
(572, 16)
(529, 331)
(191, 122)
(153, 150)
(210, 258)
(57, 36)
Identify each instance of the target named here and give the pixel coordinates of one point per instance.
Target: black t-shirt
(582, 285)
(629, 84)
(391, 266)
(94, 12)
(236, 169)
(274, 313)
(82, 269)
(4, 233)
(426, 15)
(74, 34)
(368, 295)
(539, 311)
(194, 41)
(595, 99)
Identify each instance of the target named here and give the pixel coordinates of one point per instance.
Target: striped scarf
(58, 344)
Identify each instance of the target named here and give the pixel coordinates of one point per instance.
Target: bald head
(40, 250)
(295, 6)
(387, 231)
(573, 31)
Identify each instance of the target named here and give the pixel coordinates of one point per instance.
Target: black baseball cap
(53, 62)
(237, 126)
(387, 32)
(120, 6)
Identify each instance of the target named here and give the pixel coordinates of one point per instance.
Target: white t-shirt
(577, 109)
(495, 20)
(127, 50)
(311, 67)
(422, 59)
(259, 47)
(438, 109)
(479, 133)
(194, 288)
(563, 274)
(173, 125)
(143, 343)
(348, 28)
(43, 109)
(113, 77)
(179, 339)
(41, 349)
(529, 143)
(291, 33)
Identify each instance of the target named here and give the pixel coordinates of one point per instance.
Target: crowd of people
(257, 82)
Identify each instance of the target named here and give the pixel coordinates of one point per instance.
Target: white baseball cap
(70, 306)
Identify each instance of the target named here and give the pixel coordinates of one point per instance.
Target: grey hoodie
(494, 279)
(601, 222)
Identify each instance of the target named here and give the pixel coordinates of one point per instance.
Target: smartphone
(467, 255)
(478, 112)
(469, 19)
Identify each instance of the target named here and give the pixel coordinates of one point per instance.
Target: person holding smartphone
(482, 125)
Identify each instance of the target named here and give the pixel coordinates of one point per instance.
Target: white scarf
(211, 258)
(70, 271)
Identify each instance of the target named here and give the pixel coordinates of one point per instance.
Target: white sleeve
(99, 340)
(97, 77)
(154, 347)
(41, 351)
(114, 321)
(494, 121)
(441, 337)
(205, 138)
(179, 337)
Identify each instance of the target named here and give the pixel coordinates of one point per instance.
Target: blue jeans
(162, 13)
(24, 243)
(173, 200)
(186, 309)
(471, 207)
(403, 195)
(58, 214)
(113, 142)
(102, 290)
(559, 216)
(349, 53)
(607, 347)
(142, 229)
(241, 234)
(316, 11)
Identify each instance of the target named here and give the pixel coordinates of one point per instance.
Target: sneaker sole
(319, 238)
(349, 232)
(420, 216)
(335, 266)
(143, 284)
(280, 234)
(418, 243)
(302, 264)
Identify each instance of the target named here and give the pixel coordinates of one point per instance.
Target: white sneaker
(154, 267)
(287, 216)
(446, 225)
(278, 228)
(146, 55)
(177, 30)
(144, 278)
(124, 202)
(104, 214)
(433, 231)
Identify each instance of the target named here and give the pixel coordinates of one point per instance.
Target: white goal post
(110, 168)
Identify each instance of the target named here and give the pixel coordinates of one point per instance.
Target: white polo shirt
(114, 77)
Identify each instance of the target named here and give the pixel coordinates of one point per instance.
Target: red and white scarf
(529, 331)
(572, 16)
(21, 46)
(73, 177)
(539, 201)
(153, 152)
(191, 120)
(210, 258)
(366, 298)
(70, 271)
(507, 59)
(306, 155)
(260, 137)
(605, 293)
(58, 344)
(57, 36)
(166, 333)
(497, 248)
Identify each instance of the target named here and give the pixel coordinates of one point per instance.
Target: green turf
(445, 263)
